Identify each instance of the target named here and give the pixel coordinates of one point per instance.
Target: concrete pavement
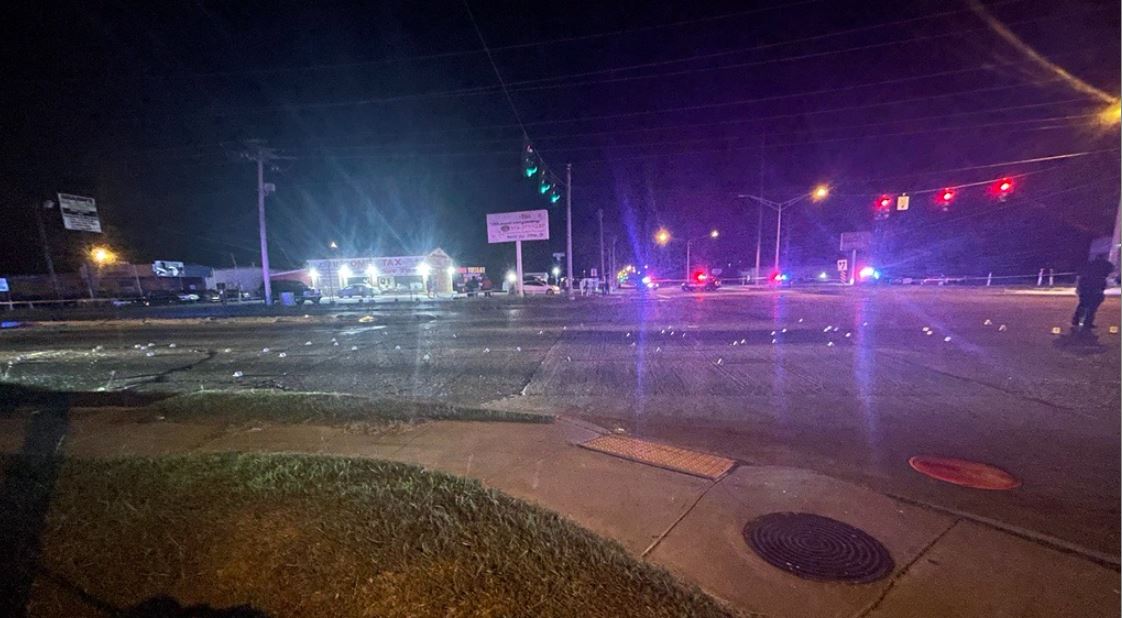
(945, 565)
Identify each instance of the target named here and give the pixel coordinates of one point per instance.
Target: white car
(537, 286)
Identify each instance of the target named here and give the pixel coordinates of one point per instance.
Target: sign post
(518, 267)
(516, 227)
(852, 241)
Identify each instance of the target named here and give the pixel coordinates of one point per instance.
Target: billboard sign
(856, 241)
(79, 213)
(164, 268)
(520, 225)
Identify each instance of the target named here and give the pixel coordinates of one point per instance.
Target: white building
(389, 274)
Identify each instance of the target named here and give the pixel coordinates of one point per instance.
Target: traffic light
(530, 163)
(1003, 188)
(882, 207)
(946, 196)
(532, 166)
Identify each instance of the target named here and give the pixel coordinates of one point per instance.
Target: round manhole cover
(964, 473)
(818, 548)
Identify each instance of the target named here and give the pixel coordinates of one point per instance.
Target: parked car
(537, 286)
(361, 290)
(161, 297)
(187, 296)
(300, 291)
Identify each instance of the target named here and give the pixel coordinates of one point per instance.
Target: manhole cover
(964, 473)
(818, 548)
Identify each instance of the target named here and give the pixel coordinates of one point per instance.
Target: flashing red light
(947, 196)
(700, 276)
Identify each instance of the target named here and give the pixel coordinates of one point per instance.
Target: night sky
(398, 138)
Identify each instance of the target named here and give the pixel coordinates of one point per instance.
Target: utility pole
(260, 154)
(600, 218)
(612, 266)
(569, 225)
(46, 247)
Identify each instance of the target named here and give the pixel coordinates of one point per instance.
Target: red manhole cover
(963, 472)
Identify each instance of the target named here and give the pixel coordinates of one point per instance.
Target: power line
(709, 139)
(472, 52)
(538, 84)
(551, 138)
(494, 66)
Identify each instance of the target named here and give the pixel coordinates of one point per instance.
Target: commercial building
(407, 273)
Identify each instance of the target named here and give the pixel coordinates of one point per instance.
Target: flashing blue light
(869, 272)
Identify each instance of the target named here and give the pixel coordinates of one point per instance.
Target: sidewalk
(944, 566)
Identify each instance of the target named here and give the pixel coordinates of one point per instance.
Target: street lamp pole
(819, 193)
(688, 241)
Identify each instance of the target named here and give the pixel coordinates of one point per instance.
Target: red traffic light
(1004, 186)
(884, 202)
(947, 196)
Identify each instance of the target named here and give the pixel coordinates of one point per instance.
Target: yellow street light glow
(662, 236)
(820, 192)
(102, 256)
(1112, 114)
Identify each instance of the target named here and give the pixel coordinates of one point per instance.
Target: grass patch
(295, 535)
(321, 409)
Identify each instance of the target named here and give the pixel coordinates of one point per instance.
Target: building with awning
(404, 273)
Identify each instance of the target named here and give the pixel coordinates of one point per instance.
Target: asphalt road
(845, 382)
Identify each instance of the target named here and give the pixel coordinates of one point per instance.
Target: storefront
(412, 274)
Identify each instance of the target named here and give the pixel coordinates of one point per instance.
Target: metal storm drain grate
(661, 455)
(818, 548)
(964, 473)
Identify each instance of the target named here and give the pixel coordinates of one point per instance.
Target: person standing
(1090, 287)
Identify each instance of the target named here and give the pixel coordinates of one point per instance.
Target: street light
(713, 234)
(102, 256)
(662, 237)
(1111, 115)
(819, 193)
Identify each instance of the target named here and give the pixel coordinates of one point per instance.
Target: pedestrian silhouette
(1090, 287)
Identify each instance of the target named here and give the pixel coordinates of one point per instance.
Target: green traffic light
(544, 186)
(554, 197)
(529, 168)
